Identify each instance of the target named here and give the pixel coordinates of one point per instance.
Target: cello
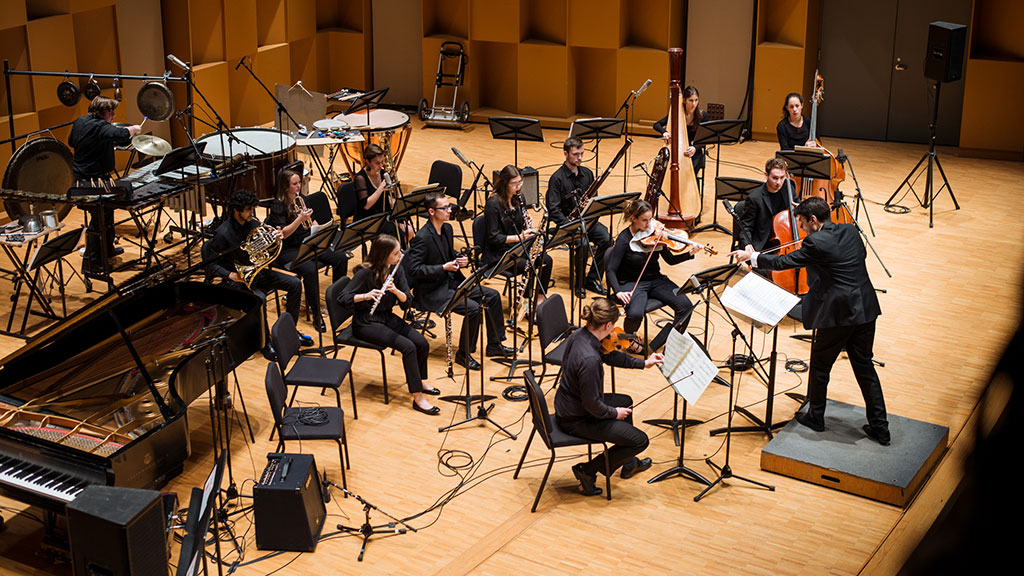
(786, 232)
(822, 187)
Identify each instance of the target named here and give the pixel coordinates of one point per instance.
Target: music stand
(596, 129)
(806, 163)
(366, 101)
(717, 132)
(735, 189)
(200, 515)
(509, 260)
(358, 232)
(179, 158)
(461, 295)
(569, 234)
(311, 248)
(515, 128)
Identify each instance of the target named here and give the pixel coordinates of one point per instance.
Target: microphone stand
(366, 529)
(845, 160)
(280, 106)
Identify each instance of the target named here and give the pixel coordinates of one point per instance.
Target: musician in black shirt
(625, 264)
(583, 409)
(286, 217)
(762, 204)
(565, 190)
(372, 192)
(225, 251)
(794, 129)
(93, 137)
(434, 268)
(380, 279)
(505, 225)
(693, 116)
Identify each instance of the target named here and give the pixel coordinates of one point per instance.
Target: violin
(619, 339)
(658, 236)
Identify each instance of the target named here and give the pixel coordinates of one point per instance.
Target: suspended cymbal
(151, 145)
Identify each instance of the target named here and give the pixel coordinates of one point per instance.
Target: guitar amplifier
(288, 504)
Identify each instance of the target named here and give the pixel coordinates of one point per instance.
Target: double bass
(824, 188)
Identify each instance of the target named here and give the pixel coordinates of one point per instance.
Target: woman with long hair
(505, 226)
(794, 129)
(693, 115)
(381, 279)
(288, 218)
(631, 288)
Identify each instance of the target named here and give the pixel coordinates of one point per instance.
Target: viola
(619, 339)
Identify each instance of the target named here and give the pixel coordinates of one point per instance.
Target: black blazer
(757, 214)
(841, 291)
(428, 253)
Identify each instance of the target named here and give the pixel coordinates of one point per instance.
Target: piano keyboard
(40, 480)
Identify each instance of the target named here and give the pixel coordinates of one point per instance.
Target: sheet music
(682, 357)
(759, 301)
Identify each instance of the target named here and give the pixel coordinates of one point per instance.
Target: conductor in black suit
(841, 306)
(434, 267)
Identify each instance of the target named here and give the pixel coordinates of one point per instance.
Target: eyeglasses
(447, 208)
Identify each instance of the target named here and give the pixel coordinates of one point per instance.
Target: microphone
(841, 156)
(728, 208)
(696, 283)
(177, 62)
(240, 62)
(460, 156)
(326, 485)
(388, 180)
(644, 87)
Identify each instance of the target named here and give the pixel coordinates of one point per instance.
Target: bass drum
(268, 150)
(42, 165)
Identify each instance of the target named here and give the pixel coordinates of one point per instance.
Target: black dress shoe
(806, 421)
(596, 288)
(269, 353)
(432, 411)
(882, 438)
(639, 465)
(318, 323)
(432, 392)
(587, 481)
(305, 340)
(467, 361)
(581, 292)
(499, 350)
(117, 251)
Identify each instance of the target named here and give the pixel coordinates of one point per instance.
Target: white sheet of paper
(687, 367)
(759, 301)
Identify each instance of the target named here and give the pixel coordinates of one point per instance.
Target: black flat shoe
(883, 439)
(499, 350)
(432, 411)
(467, 362)
(305, 340)
(318, 323)
(639, 465)
(432, 392)
(587, 482)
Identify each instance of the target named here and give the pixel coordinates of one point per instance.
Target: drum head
(329, 125)
(155, 101)
(256, 142)
(42, 165)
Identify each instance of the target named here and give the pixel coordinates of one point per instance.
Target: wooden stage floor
(948, 310)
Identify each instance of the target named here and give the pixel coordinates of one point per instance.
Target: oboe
(384, 287)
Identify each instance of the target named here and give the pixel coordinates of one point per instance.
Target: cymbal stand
(725, 471)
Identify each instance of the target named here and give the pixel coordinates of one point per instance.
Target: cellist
(762, 204)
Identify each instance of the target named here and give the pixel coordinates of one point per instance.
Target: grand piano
(102, 397)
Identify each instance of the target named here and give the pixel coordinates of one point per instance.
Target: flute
(384, 287)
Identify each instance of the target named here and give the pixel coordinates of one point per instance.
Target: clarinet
(376, 301)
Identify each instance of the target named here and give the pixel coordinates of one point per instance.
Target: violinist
(372, 192)
(294, 225)
(841, 306)
(626, 264)
(762, 204)
(505, 225)
(794, 129)
(583, 409)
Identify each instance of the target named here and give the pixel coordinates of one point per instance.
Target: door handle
(900, 66)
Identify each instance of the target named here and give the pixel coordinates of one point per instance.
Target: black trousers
(393, 332)
(543, 270)
(858, 341)
(99, 233)
(308, 272)
(268, 280)
(628, 440)
(662, 289)
(480, 299)
(599, 237)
